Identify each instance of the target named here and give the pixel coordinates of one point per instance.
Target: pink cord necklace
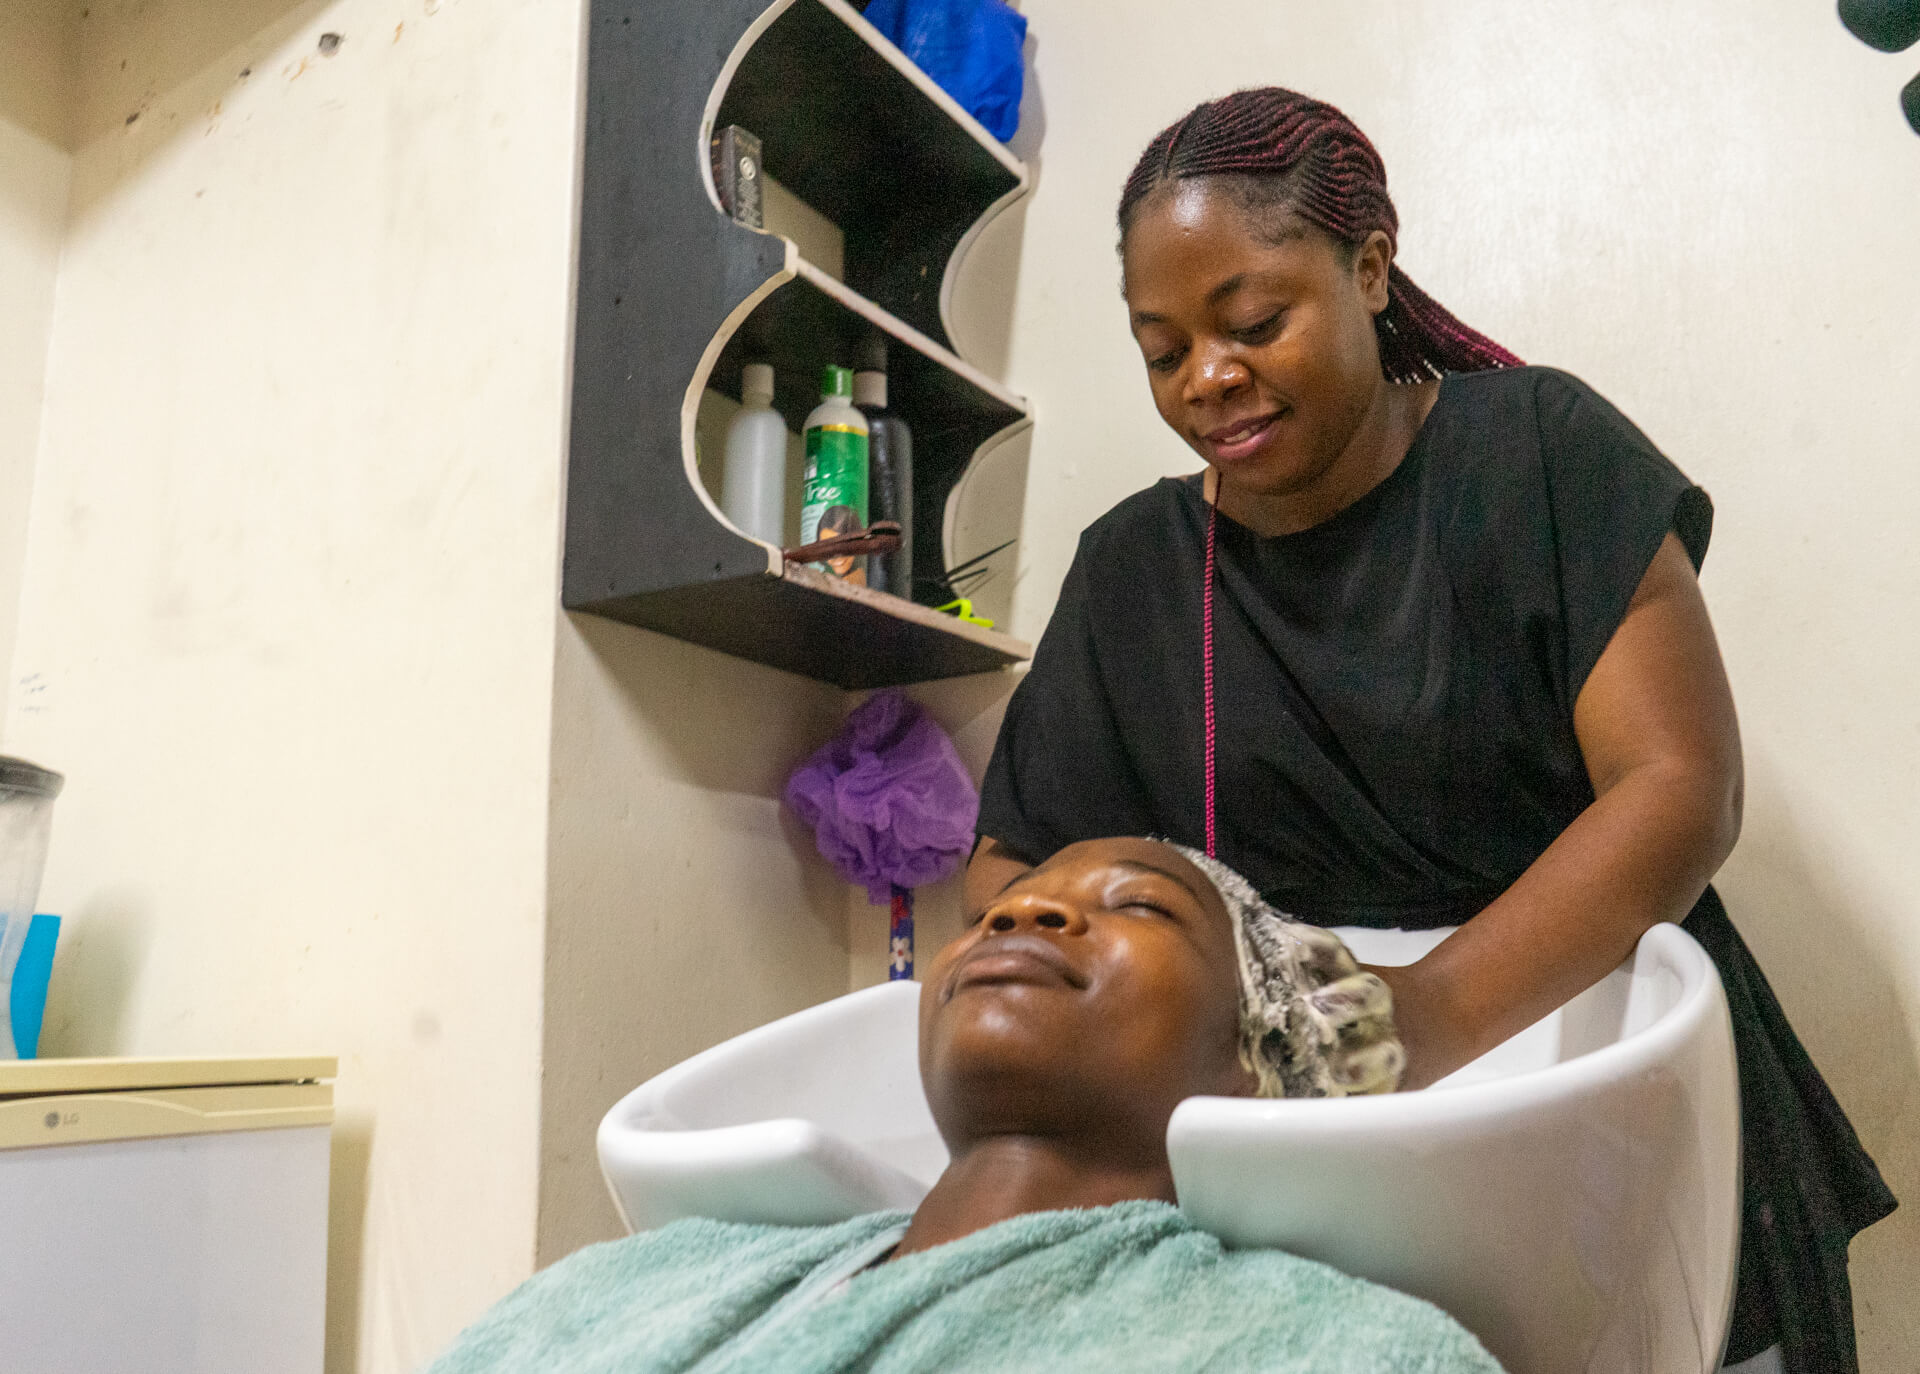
(1206, 662)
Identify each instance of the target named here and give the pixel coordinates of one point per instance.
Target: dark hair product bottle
(889, 478)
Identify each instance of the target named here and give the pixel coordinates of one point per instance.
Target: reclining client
(1057, 1035)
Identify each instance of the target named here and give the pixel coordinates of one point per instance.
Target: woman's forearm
(1640, 855)
(1657, 731)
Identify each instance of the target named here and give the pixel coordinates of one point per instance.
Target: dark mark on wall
(330, 44)
(245, 72)
(135, 115)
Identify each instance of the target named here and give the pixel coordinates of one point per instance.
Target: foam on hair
(1275, 1043)
(1287, 150)
(1313, 1022)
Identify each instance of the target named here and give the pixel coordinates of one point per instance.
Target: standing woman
(1422, 646)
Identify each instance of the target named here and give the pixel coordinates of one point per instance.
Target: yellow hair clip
(962, 609)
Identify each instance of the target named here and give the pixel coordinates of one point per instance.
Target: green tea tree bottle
(834, 499)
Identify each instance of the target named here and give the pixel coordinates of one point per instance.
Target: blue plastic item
(970, 47)
(28, 1001)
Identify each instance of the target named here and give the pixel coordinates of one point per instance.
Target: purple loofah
(890, 803)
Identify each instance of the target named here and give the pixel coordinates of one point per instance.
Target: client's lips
(1015, 959)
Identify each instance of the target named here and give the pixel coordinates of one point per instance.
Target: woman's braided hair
(1278, 149)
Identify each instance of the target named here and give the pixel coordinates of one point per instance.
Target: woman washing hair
(1422, 646)
(1057, 1035)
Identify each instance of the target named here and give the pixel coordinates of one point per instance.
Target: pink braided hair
(1303, 154)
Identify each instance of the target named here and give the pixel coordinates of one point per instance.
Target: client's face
(1095, 993)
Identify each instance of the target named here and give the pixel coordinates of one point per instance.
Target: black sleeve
(1611, 497)
(1059, 772)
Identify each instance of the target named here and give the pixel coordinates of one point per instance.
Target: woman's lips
(1014, 959)
(1242, 438)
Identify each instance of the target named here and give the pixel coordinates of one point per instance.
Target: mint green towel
(1123, 1288)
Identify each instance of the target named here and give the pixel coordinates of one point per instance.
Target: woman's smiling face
(1258, 337)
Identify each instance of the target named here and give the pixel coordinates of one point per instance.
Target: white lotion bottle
(754, 490)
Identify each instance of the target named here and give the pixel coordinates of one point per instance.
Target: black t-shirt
(1394, 687)
(1394, 711)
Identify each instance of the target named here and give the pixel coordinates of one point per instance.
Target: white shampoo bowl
(1571, 1197)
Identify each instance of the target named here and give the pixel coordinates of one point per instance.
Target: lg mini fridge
(163, 1216)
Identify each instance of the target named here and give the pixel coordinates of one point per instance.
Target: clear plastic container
(26, 819)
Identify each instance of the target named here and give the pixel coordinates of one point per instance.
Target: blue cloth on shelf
(971, 48)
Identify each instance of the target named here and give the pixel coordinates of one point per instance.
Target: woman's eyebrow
(1214, 297)
(1226, 288)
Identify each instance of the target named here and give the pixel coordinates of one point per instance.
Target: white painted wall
(37, 51)
(685, 904)
(290, 590)
(1708, 211)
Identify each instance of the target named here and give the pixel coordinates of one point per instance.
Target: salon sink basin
(1571, 1197)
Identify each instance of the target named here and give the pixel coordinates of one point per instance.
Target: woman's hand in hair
(1344, 1039)
(1351, 1009)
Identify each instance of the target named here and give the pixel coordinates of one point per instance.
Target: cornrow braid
(1280, 149)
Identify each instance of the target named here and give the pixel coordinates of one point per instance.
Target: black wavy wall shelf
(673, 296)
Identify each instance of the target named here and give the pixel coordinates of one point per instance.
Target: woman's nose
(1215, 372)
(1031, 911)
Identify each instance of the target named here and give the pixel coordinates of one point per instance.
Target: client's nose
(1033, 911)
